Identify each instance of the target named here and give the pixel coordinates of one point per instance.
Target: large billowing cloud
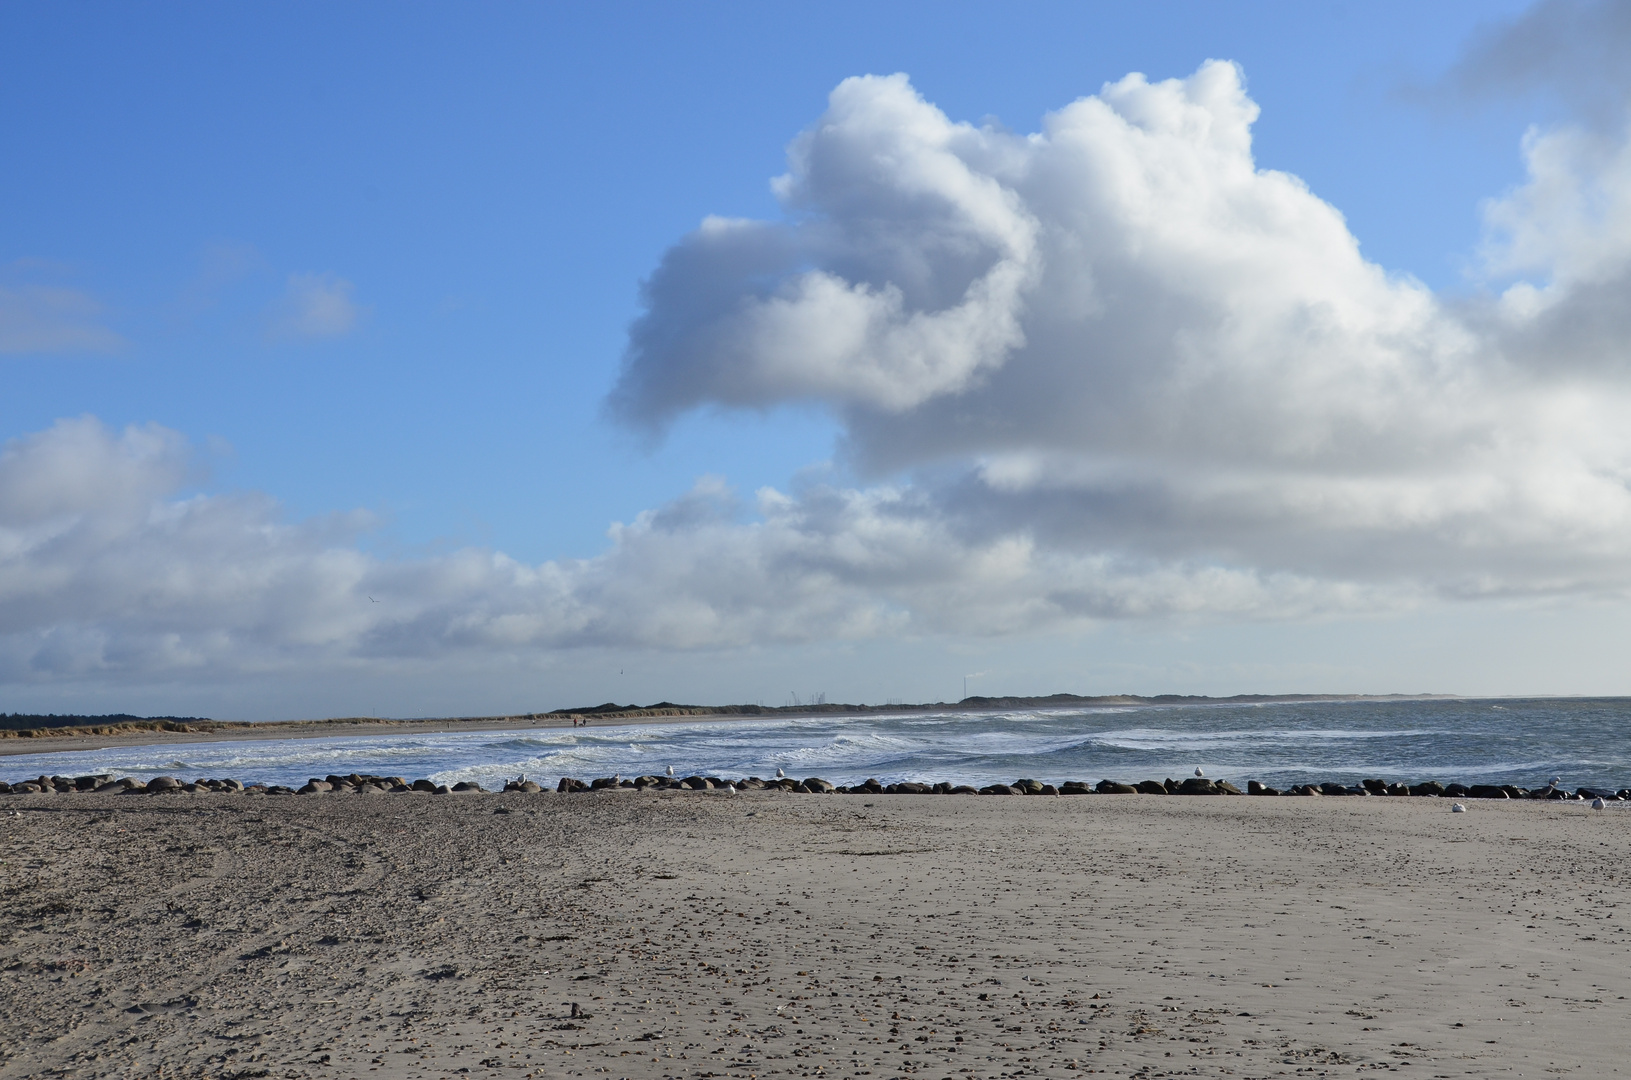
(1108, 370)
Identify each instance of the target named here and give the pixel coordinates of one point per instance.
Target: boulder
(1334, 789)
(1429, 787)
(818, 785)
(163, 783)
(1170, 786)
(1197, 785)
(1226, 788)
(1048, 789)
(318, 785)
(964, 789)
(911, 788)
(468, 786)
(1150, 787)
(1114, 787)
(1255, 787)
(696, 783)
(1398, 789)
(1074, 787)
(1027, 787)
(1375, 787)
(89, 783)
(998, 789)
(1456, 791)
(428, 785)
(1487, 791)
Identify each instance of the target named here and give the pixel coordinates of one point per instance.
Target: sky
(431, 359)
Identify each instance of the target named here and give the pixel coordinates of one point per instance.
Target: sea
(1523, 741)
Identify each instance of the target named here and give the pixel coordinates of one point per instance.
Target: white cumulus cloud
(1110, 369)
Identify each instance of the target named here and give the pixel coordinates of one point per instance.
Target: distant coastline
(22, 733)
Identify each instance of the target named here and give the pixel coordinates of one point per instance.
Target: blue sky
(385, 258)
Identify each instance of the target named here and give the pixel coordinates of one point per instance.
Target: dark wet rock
(1487, 791)
(912, 788)
(318, 785)
(696, 783)
(163, 783)
(1305, 789)
(1114, 787)
(279, 789)
(468, 786)
(1594, 793)
(871, 786)
(1375, 787)
(311, 789)
(1514, 792)
(818, 785)
(569, 784)
(752, 783)
(1334, 789)
(1074, 787)
(1225, 788)
(110, 788)
(530, 787)
(1197, 785)
(90, 783)
(998, 789)
(1429, 787)
(1048, 789)
(1398, 789)
(1027, 787)
(1170, 786)
(423, 785)
(5, 788)
(1151, 787)
(1456, 791)
(1255, 787)
(964, 789)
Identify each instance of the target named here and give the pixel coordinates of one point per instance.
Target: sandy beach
(705, 935)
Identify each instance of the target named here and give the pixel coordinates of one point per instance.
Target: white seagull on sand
(1599, 804)
(1457, 808)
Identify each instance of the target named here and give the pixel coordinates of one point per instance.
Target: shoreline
(43, 741)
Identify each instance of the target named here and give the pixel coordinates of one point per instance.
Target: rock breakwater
(368, 784)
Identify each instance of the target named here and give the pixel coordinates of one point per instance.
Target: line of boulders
(355, 783)
(368, 784)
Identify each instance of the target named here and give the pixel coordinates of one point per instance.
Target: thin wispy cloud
(52, 319)
(314, 307)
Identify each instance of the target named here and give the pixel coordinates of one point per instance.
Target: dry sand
(771, 935)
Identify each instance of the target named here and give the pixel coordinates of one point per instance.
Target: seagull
(671, 770)
(1599, 804)
(375, 601)
(780, 774)
(1198, 772)
(617, 778)
(1457, 808)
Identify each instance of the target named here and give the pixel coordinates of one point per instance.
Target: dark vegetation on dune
(27, 725)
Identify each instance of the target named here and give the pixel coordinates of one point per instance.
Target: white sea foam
(1587, 743)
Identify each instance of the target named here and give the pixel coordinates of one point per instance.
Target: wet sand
(779, 935)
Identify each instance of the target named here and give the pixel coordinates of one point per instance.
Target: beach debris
(1457, 808)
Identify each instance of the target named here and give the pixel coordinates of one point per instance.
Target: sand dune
(765, 935)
